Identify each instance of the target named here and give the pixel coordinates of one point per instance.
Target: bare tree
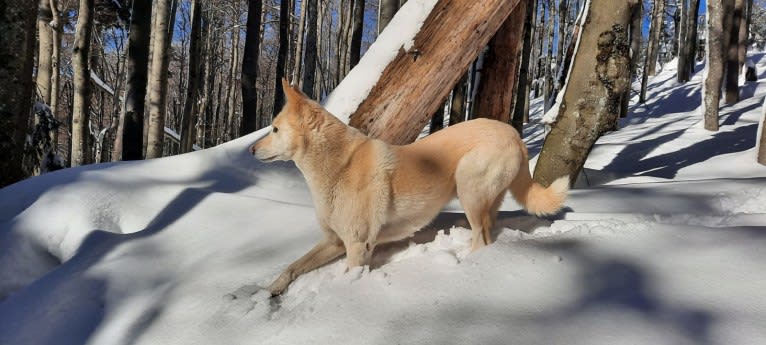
(310, 56)
(731, 75)
(600, 76)
(17, 24)
(129, 143)
(81, 78)
(714, 68)
(250, 67)
(355, 39)
(158, 76)
(652, 46)
(193, 89)
(282, 55)
(44, 50)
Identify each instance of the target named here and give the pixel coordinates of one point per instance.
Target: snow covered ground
(663, 243)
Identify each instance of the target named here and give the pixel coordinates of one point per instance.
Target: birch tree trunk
(732, 58)
(415, 83)
(716, 53)
(158, 80)
(250, 67)
(44, 50)
(501, 65)
(81, 80)
(55, 60)
(591, 102)
(17, 25)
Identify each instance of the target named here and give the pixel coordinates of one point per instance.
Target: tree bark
(457, 108)
(501, 66)
(250, 68)
(163, 33)
(81, 79)
(17, 25)
(635, 47)
(357, 26)
(683, 41)
(744, 33)
(655, 35)
(44, 50)
(762, 142)
(592, 96)
(130, 135)
(282, 55)
(55, 60)
(386, 11)
(732, 57)
(193, 92)
(716, 53)
(521, 106)
(412, 86)
(310, 55)
(230, 131)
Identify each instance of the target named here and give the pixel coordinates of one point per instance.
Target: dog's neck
(328, 152)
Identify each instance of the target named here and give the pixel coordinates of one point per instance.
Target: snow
(661, 244)
(398, 36)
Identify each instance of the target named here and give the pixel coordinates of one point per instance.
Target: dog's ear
(293, 95)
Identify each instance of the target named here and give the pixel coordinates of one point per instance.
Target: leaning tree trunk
(591, 103)
(163, 33)
(17, 25)
(415, 83)
(250, 67)
(129, 143)
(714, 68)
(193, 92)
(496, 91)
(81, 79)
(732, 57)
(44, 50)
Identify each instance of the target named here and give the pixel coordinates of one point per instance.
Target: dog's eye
(275, 129)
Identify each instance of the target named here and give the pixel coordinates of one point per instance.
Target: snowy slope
(664, 244)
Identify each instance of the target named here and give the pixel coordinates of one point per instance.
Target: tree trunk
(693, 37)
(762, 141)
(549, 61)
(744, 33)
(282, 55)
(714, 68)
(635, 47)
(412, 86)
(655, 35)
(130, 135)
(310, 55)
(158, 77)
(732, 57)
(592, 95)
(501, 66)
(250, 68)
(386, 11)
(193, 92)
(357, 28)
(45, 50)
(231, 94)
(55, 60)
(17, 25)
(81, 78)
(457, 108)
(683, 41)
(296, 75)
(521, 106)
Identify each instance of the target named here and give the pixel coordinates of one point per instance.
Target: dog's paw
(280, 285)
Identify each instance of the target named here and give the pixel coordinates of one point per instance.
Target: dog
(367, 192)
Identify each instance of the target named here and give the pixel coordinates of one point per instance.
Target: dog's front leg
(330, 248)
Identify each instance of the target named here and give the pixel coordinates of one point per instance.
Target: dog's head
(291, 128)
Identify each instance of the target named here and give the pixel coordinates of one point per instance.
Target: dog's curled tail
(535, 198)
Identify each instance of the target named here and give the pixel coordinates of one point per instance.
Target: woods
(130, 80)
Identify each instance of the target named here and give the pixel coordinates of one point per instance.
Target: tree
(310, 58)
(732, 56)
(158, 76)
(521, 105)
(282, 55)
(591, 101)
(501, 65)
(714, 68)
(386, 11)
(684, 46)
(652, 46)
(129, 143)
(762, 141)
(81, 79)
(17, 24)
(45, 50)
(413, 85)
(55, 58)
(250, 67)
(193, 89)
(355, 39)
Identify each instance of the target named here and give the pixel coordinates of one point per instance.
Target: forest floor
(663, 242)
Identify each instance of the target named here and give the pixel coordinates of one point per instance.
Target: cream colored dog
(367, 192)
